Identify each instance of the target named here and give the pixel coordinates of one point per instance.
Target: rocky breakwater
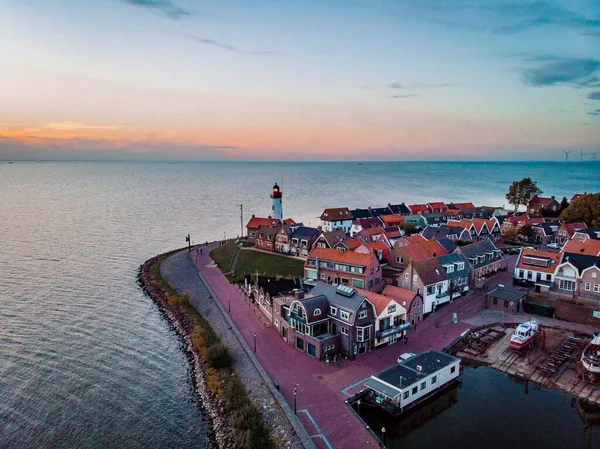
(184, 326)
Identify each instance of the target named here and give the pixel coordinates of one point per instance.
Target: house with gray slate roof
(302, 240)
(331, 320)
(401, 209)
(445, 231)
(483, 257)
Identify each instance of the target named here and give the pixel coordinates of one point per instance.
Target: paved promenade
(322, 388)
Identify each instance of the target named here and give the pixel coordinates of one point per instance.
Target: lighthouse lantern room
(276, 206)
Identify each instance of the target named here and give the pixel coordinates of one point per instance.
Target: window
(423, 385)
(362, 314)
(317, 312)
(358, 283)
(430, 289)
(377, 280)
(370, 284)
(345, 280)
(521, 274)
(597, 288)
(344, 315)
(588, 286)
(414, 390)
(333, 310)
(405, 395)
(495, 301)
(392, 308)
(344, 330)
(506, 303)
(453, 370)
(406, 276)
(415, 278)
(566, 285)
(594, 274)
(433, 380)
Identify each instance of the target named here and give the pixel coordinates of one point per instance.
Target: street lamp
(255, 342)
(295, 398)
(383, 435)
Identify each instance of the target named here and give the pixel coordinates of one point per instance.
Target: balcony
(392, 331)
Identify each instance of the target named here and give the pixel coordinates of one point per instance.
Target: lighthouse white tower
(276, 203)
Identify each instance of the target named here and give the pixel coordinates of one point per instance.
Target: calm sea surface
(85, 359)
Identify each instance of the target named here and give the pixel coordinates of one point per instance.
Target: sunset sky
(299, 80)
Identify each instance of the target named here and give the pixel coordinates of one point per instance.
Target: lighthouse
(276, 206)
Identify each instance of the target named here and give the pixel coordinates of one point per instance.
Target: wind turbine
(567, 155)
(593, 153)
(581, 153)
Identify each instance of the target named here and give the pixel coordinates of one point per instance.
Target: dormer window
(317, 312)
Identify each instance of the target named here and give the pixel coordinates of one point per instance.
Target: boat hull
(592, 367)
(520, 344)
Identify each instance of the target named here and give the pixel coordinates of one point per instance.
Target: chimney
(320, 228)
(552, 196)
(298, 294)
(253, 216)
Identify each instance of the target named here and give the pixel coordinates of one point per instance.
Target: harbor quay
(316, 390)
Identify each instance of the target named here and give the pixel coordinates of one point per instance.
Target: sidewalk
(320, 385)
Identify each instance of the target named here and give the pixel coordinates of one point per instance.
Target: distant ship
(524, 334)
(590, 359)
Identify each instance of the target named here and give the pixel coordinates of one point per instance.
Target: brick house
(379, 248)
(567, 230)
(536, 269)
(402, 256)
(505, 299)
(538, 204)
(343, 267)
(284, 237)
(390, 318)
(411, 301)
(256, 222)
(545, 232)
(338, 218)
(578, 273)
(265, 238)
(333, 239)
(483, 258)
(370, 235)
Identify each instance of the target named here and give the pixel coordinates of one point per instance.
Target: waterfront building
(378, 211)
(265, 238)
(391, 220)
(435, 219)
(330, 320)
(411, 301)
(438, 207)
(336, 219)
(479, 228)
(390, 318)
(257, 222)
(406, 384)
(536, 269)
(302, 240)
(418, 209)
(361, 213)
(350, 268)
(506, 299)
(277, 203)
(459, 206)
(283, 238)
(483, 258)
(399, 209)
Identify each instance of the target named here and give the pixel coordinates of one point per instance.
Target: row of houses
(338, 319)
(573, 270)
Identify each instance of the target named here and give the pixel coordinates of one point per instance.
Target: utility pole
(189, 242)
(241, 206)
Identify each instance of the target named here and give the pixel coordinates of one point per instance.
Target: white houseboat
(412, 381)
(590, 359)
(524, 334)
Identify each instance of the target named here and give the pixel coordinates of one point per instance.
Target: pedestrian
(200, 250)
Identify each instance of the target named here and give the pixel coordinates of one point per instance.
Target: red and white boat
(590, 359)
(524, 334)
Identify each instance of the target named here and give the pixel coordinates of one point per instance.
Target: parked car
(553, 245)
(404, 357)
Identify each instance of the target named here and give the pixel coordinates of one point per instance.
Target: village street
(321, 387)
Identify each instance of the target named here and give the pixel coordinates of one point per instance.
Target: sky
(299, 80)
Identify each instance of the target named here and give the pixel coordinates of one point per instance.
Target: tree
(527, 231)
(521, 192)
(510, 235)
(408, 229)
(564, 203)
(585, 209)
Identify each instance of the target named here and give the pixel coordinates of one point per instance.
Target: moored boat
(524, 334)
(590, 358)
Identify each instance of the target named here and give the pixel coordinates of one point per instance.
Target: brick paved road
(319, 384)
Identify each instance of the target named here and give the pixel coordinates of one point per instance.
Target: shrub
(249, 430)
(212, 380)
(234, 393)
(218, 356)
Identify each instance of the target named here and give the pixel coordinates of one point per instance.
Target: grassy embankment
(223, 381)
(250, 261)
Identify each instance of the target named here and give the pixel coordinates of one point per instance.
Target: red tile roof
(463, 205)
(380, 246)
(420, 251)
(576, 196)
(402, 296)
(341, 213)
(438, 205)
(416, 208)
(392, 218)
(336, 255)
(589, 247)
(574, 227)
(540, 200)
(352, 244)
(379, 301)
(256, 222)
(554, 258)
(289, 221)
(415, 238)
(374, 231)
(451, 212)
